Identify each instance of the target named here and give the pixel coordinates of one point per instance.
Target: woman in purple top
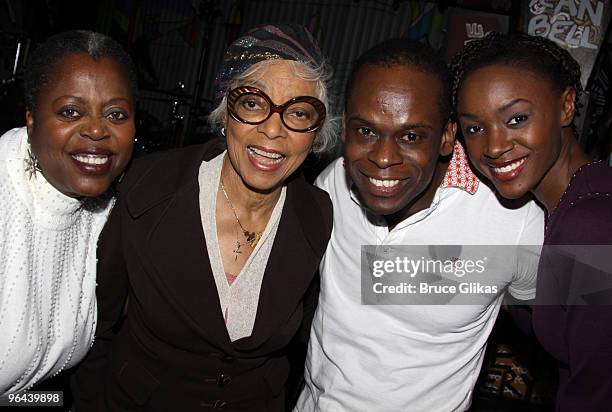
(516, 98)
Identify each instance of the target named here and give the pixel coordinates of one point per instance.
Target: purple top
(580, 337)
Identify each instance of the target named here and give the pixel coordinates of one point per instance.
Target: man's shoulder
(498, 204)
(333, 178)
(486, 217)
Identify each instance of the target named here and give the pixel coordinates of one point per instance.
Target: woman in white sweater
(55, 176)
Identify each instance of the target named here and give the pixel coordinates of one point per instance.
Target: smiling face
(512, 121)
(394, 134)
(264, 155)
(82, 130)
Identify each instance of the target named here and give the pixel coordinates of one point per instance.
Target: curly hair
(41, 64)
(536, 54)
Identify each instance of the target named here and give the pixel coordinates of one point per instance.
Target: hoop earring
(223, 131)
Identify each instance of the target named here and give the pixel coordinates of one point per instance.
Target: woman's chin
(263, 181)
(264, 186)
(92, 189)
(511, 191)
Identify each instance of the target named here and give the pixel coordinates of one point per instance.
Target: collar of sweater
(49, 207)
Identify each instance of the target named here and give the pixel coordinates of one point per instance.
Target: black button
(223, 380)
(227, 358)
(219, 404)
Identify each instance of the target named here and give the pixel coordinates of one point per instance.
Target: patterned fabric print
(459, 173)
(314, 56)
(270, 42)
(246, 41)
(283, 48)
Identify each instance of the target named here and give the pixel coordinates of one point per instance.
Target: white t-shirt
(409, 357)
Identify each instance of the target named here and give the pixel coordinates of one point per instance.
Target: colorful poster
(427, 23)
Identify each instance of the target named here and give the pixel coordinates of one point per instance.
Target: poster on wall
(576, 25)
(464, 25)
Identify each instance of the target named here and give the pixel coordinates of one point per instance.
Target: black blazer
(173, 351)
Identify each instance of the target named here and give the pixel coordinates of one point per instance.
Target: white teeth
(510, 167)
(266, 154)
(274, 157)
(91, 159)
(383, 183)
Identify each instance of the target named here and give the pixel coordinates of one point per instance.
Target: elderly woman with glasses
(219, 247)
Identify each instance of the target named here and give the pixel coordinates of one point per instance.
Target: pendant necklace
(252, 238)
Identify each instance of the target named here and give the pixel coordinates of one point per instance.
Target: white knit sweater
(47, 272)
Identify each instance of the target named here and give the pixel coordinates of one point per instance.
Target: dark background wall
(178, 45)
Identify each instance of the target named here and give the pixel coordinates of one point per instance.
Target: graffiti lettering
(474, 30)
(573, 23)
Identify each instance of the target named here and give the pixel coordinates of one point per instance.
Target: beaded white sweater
(47, 272)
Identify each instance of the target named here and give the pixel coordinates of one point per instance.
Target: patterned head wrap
(268, 42)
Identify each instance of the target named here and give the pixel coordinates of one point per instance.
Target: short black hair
(41, 63)
(412, 55)
(533, 53)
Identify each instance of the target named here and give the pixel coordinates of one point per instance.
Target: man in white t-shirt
(396, 186)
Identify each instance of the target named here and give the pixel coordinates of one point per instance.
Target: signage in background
(464, 25)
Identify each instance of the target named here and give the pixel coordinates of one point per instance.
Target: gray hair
(326, 137)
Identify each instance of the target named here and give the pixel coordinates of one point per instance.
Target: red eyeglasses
(250, 105)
